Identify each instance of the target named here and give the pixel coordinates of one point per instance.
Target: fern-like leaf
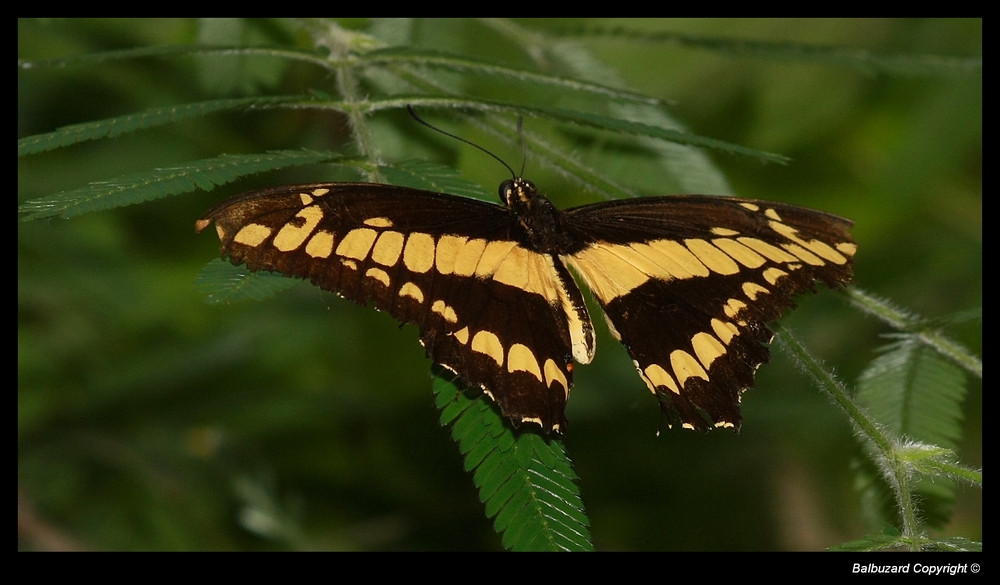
(112, 127)
(864, 60)
(222, 283)
(422, 58)
(915, 392)
(141, 187)
(525, 481)
(420, 174)
(587, 120)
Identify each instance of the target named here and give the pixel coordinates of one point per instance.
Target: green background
(150, 420)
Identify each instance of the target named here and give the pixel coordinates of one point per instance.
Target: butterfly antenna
(409, 109)
(524, 144)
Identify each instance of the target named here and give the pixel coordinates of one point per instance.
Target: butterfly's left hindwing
(488, 308)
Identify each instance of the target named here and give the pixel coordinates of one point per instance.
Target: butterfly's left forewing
(487, 307)
(687, 284)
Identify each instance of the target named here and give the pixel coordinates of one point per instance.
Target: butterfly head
(518, 193)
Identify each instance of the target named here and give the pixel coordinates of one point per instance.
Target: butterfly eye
(506, 188)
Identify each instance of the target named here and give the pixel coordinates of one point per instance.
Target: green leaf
(409, 56)
(873, 542)
(223, 283)
(143, 187)
(529, 488)
(112, 127)
(915, 392)
(429, 176)
(864, 60)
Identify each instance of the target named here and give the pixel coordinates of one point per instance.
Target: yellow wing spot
(803, 254)
(542, 280)
(733, 308)
(820, 248)
(773, 275)
(379, 222)
(847, 248)
(772, 253)
(534, 420)
(349, 263)
(772, 214)
(252, 234)
(448, 248)
(723, 424)
(653, 262)
(750, 206)
(608, 274)
(520, 358)
(655, 376)
(388, 248)
(531, 272)
(446, 311)
(739, 252)
(752, 289)
(291, 236)
(554, 374)
(468, 257)
(513, 269)
(320, 245)
(716, 260)
(650, 261)
(685, 366)
(707, 348)
(492, 256)
(643, 258)
(379, 275)
(306, 199)
(827, 252)
(418, 255)
(724, 330)
(357, 243)
(488, 344)
(413, 291)
(581, 331)
(726, 232)
(320, 192)
(678, 260)
(645, 378)
(462, 335)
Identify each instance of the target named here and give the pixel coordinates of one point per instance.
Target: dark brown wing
(687, 283)
(487, 306)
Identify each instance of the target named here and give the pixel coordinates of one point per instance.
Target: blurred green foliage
(151, 420)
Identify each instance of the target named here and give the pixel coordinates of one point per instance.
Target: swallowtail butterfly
(686, 283)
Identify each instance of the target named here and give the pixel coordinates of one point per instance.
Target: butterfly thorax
(537, 216)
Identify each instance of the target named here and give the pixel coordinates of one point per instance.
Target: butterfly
(686, 283)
